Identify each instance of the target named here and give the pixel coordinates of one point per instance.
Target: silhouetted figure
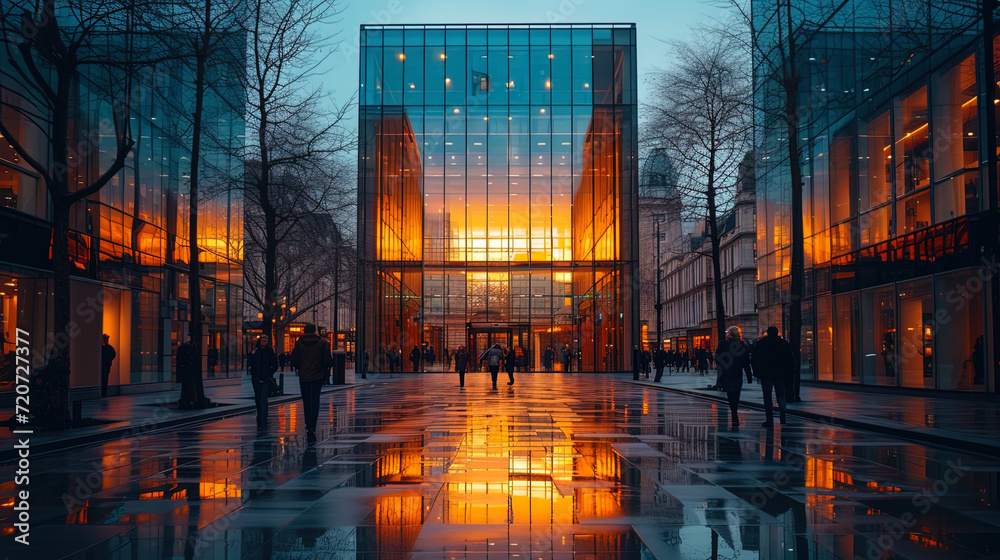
(977, 361)
(548, 358)
(567, 358)
(733, 360)
(510, 364)
(659, 362)
(647, 357)
(311, 357)
(107, 357)
(282, 360)
(493, 356)
(774, 365)
(461, 364)
(262, 365)
(415, 358)
(429, 356)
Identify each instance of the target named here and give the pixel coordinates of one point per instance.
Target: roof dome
(658, 178)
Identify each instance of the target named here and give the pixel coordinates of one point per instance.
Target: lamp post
(659, 301)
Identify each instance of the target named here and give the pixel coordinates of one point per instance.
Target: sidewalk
(972, 426)
(131, 415)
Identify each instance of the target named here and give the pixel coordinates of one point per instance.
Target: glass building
(899, 201)
(498, 193)
(130, 241)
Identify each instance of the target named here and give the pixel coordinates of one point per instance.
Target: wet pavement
(561, 466)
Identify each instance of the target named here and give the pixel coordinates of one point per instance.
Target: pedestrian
(262, 365)
(311, 357)
(774, 365)
(429, 356)
(567, 358)
(700, 361)
(107, 357)
(282, 360)
(659, 361)
(415, 358)
(548, 358)
(647, 357)
(461, 364)
(493, 356)
(519, 360)
(636, 362)
(510, 364)
(734, 360)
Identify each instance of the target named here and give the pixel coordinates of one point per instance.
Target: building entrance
(483, 336)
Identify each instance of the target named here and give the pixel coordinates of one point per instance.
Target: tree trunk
(713, 232)
(194, 394)
(63, 327)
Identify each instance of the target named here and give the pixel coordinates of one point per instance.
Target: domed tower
(659, 229)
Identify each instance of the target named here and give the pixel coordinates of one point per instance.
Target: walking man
(773, 364)
(659, 361)
(733, 359)
(107, 356)
(311, 357)
(493, 356)
(461, 364)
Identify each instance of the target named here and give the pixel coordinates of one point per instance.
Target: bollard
(281, 384)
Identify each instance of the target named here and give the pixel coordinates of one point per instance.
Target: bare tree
(50, 53)
(700, 115)
(289, 133)
(779, 70)
(205, 38)
(309, 241)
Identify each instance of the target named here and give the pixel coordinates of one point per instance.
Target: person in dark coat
(636, 362)
(567, 358)
(429, 356)
(262, 365)
(107, 357)
(548, 358)
(733, 360)
(311, 357)
(773, 364)
(493, 356)
(415, 358)
(659, 362)
(647, 357)
(509, 364)
(461, 364)
(282, 360)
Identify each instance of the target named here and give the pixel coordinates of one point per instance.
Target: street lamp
(659, 301)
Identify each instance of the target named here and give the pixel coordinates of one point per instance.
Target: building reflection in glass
(497, 193)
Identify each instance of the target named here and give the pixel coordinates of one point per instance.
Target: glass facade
(899, 227)
(498, 189)
(130, 241)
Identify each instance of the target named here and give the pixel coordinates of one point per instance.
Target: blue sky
(656, 21)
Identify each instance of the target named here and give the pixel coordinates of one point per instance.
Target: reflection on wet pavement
(562, 466)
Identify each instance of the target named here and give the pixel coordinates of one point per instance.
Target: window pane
(912, 169)
(956, 129)
(875, 161)
(878, 362)
(916, 332)
(959, 347)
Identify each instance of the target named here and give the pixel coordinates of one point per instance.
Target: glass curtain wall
(497, 194)
(898, 225)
